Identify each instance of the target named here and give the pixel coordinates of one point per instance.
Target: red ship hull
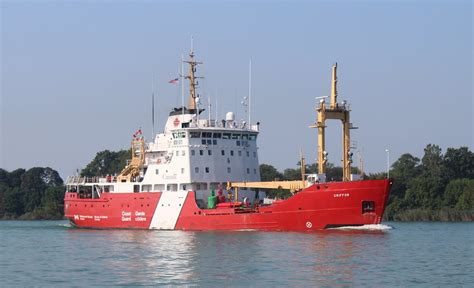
(320, 206)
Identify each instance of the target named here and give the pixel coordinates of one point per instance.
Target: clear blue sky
(76, 76)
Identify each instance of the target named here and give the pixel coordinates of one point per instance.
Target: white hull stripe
(168, 210)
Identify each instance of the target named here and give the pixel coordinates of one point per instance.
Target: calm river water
(50, 253)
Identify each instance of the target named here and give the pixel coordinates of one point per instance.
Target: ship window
(254, 171)
(214, 142)
(226, 136)
(254, 154)
(193, 152)
(228, 160)
(177, 153)
(172, 187)
(157, 171)
(159, 187)
(240, 153)
(207, 169)
(252, 137)
(196, 169)
(214, 186)
(209, 142)
(183, 153)
(201, 152)
(195, 134)
(228, 170)
(136, 188)
(217, 135)
(198, 186)
(368, 206)
(245, 136)
(183, 186)
(203, 141)
(248, 170)
(182, 170)
(209, 152)
(238, 142)
(235, 136)
(222, 152)
(206, 134)
(231, 152)
(146, 188)
(248, 154)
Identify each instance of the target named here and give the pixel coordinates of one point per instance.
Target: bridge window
(206, 134)
(146, 188)
(245, 136)
(136, 188)
(217, 135)
(195, 134)
(226, 136)
(159, 187)
(236, 136)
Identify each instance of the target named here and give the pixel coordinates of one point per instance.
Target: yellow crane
(339, 111)
(335, 110)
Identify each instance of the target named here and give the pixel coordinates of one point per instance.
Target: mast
(192, 80)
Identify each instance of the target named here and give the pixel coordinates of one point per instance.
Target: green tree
(269, 173)
(34, 183)
(432, 161)
(458, 163)
(106, 163)
(13, 202)
(404, 170)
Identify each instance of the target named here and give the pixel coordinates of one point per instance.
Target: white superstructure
(191, 154)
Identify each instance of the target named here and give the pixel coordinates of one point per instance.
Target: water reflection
(137, 257)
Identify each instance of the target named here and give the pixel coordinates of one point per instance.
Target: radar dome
(229, 116)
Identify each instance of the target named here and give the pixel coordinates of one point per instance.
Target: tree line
(36, 193)
(437, 187)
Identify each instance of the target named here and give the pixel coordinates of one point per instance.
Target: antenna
(152, 109)
(209, 105)
(182, 85)
(250, 88)
(216, 105)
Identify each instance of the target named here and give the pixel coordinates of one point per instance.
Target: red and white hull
(320, 206)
